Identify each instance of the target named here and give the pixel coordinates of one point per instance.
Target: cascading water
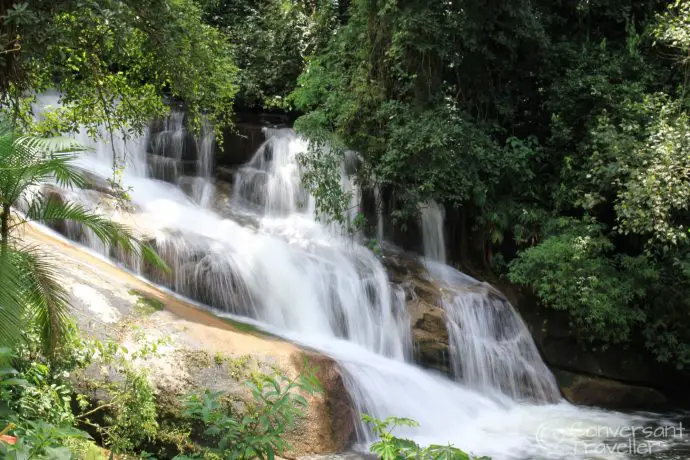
(274, 262)
(167, 159)
(434, 242)
(491, 348)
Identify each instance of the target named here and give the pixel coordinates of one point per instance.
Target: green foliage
(258, 433)
(44, 398)
(674, 27)
(574, 269)
(272, 40)
(26, 413)
(656, 196)
(112, 61)
(321, 177)
(34, 293)
(132, 418)
(128, 405)
(387, 86)
(562, 156)
(41, 440)
(390, 447)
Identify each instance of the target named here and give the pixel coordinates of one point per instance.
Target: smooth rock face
(198, 351)
(627, 366)
(601, 392)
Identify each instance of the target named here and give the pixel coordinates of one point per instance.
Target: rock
(333, 409)
(558, 344)
(51, 192)
(226, 174)
(423, 300)
(630, 364)
(197, 350)
(611, 394)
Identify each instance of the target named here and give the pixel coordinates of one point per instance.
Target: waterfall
(274, 263)
(432, 231)
(378, 202)
(168, 161)
(491, 348)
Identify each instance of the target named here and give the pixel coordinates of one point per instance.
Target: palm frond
(59, 167)
(29, 160)
(47, 302)
(51, 210)
(51, 157)
(150, 255)
(41, 147)
(11, 300)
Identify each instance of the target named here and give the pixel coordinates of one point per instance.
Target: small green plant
(259, 433)
(129, 409)
(218, 359)
(238, 366)
(33, 438)
(375, 247)
(146, 305)
(244, 327)
(390, 447)
(37, 439)
(45, 397)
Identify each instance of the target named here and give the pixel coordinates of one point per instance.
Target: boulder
(602, 392)
(423, 300)
(196, 351)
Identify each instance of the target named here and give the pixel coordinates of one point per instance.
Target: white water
(302, 280)
(491, 349)
(433, 240)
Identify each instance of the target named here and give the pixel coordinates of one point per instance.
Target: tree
(425, 96)
(113, 61)
(272, 40)
(30, 292)
(555, 133)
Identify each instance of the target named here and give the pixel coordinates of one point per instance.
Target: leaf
(58, 453)
(384, 451)
(299, 399)
(13, 382)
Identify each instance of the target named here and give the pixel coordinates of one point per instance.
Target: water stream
(491, 349)
(267, 258)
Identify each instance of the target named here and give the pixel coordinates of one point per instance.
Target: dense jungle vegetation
(554, 132)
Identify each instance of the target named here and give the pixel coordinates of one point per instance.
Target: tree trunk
(4, 226)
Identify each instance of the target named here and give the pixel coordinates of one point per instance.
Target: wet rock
(50, 192)
(334, 409)
(226, 174)
(241, 142)
(96, 183)
(423, 300)
(196, 271)
(561, 350)
(610, 394)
